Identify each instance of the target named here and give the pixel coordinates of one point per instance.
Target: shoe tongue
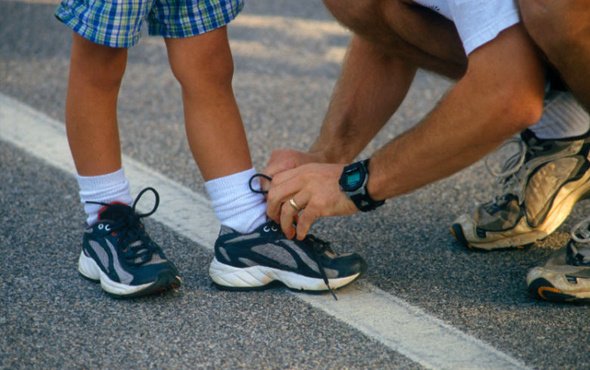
(114, 211)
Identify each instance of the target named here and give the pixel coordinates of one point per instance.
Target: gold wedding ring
(294, 205)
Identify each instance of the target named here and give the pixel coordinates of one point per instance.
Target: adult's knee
(555, 25)
(357, 15)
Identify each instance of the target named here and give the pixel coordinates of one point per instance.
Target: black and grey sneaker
(541, 184)
(255, 260)
(118, 252)
(566, 275)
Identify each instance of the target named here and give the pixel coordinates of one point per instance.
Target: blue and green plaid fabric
(117, 23)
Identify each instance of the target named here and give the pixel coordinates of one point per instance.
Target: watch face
(353, 177)
(353, 180)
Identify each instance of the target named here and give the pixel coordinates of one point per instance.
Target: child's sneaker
(255, 260)
(118, 252)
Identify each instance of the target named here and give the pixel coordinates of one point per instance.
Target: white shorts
(477, 21)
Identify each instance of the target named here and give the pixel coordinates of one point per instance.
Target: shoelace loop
(135, 244)
(508, 177)
(258, 191)
(515, 162)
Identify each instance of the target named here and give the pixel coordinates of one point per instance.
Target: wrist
(375, 182)
(329, 156)
(322, 156)
(353, 182)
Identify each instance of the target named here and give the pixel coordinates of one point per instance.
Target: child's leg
(116, 250)
(96, 72)
(204, 67)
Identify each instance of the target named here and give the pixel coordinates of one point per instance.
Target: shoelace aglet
(331, 291)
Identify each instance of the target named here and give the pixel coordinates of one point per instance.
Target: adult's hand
(315, 192)
(282, 160)
(286, 159)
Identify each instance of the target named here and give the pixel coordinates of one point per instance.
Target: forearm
(436, 148)
(500, 95)
(370, 89)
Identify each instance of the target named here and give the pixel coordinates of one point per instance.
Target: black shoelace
(318, 246)
(258, 191)
(136, 245)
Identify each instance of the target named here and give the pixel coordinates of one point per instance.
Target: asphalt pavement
(287, 58)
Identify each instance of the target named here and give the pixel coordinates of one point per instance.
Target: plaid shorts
(117, 23)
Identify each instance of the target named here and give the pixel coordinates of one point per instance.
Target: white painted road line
(396, 324)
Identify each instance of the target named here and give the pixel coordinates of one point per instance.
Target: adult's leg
(96, 72)
(562, 30)
(553, 177)
(391, 40)
(405, 30)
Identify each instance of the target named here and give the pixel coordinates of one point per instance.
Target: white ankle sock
(235, 205)
(109, 188)
(563, 117)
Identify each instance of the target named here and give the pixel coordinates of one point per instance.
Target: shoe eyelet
(274, 228)
(266, 229)
(107, 227)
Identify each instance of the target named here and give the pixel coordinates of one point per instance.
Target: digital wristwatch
(353, 182)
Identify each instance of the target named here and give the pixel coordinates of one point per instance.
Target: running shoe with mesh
(566, 275)
(256, 260)
(540, 186)
(118, 253)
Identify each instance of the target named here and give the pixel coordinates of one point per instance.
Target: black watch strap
(365, 203)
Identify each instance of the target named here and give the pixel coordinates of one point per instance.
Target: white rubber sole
(89, 269)
(257, 277)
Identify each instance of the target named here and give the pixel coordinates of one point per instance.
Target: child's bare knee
(195, 75)
(101, 66)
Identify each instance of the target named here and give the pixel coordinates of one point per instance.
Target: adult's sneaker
(566, 275)
(256, 260)
(118, 252)
(541, 184)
